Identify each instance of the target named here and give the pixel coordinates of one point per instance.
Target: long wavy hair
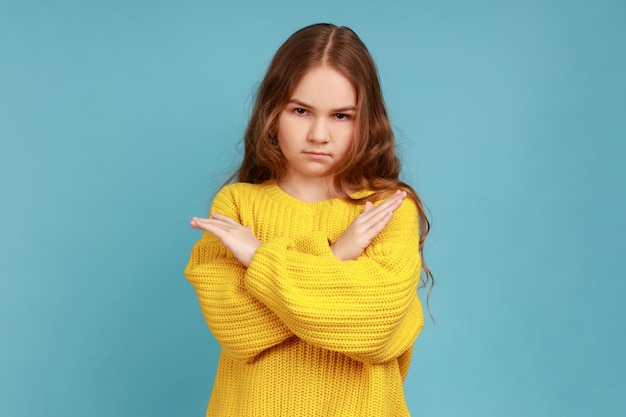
(371, 163)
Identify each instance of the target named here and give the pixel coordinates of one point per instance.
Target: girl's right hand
(237, 238)
(365, 227)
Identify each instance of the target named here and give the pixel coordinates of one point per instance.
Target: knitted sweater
(302, 333)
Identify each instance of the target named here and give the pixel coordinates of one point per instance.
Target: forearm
(367, 309)
(243, 326)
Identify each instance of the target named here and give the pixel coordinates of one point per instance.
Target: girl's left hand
(365, 227)
(237, 238)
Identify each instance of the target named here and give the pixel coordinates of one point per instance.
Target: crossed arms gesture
(350, 245)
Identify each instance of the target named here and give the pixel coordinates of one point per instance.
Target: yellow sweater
(302, 333)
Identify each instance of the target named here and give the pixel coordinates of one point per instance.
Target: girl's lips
(316, 154)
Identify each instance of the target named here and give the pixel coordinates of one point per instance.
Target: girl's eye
(299, 110)
(342, 116)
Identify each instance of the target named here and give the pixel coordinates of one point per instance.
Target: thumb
(368, 206)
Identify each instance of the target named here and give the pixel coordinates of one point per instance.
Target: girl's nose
(319, 131)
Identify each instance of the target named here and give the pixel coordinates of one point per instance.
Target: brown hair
(371, 163)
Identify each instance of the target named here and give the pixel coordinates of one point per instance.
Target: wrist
(336, 251)
(342, 254)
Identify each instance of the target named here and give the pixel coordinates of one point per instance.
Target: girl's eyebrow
(308, 106)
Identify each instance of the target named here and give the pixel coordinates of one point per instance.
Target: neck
(309, 189)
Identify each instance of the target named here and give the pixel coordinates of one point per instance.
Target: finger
(375, 213)
(196, 222)
(387, 207)
(392, 203)
(377, 227)
(217, 227)
(378, 217)
(222, 218)
(224, 221)
(203, 221)
(202, 224)
(194, 225)
(219, 232)
(222, 228)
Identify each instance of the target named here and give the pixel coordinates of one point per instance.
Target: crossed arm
(367, 309)
(349, 246)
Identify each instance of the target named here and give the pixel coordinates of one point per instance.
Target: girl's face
(316, 128)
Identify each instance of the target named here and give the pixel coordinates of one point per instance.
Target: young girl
(308, 268)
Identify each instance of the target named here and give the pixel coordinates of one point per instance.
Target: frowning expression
(316, 128)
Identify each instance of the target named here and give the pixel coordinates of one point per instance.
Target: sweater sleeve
(367, 308)
(242, 325)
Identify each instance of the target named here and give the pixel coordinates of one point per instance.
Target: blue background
(120, 119)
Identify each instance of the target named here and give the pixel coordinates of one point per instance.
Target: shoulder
(232, 196)
(406, 217)
(407, 209)
(240, 190)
